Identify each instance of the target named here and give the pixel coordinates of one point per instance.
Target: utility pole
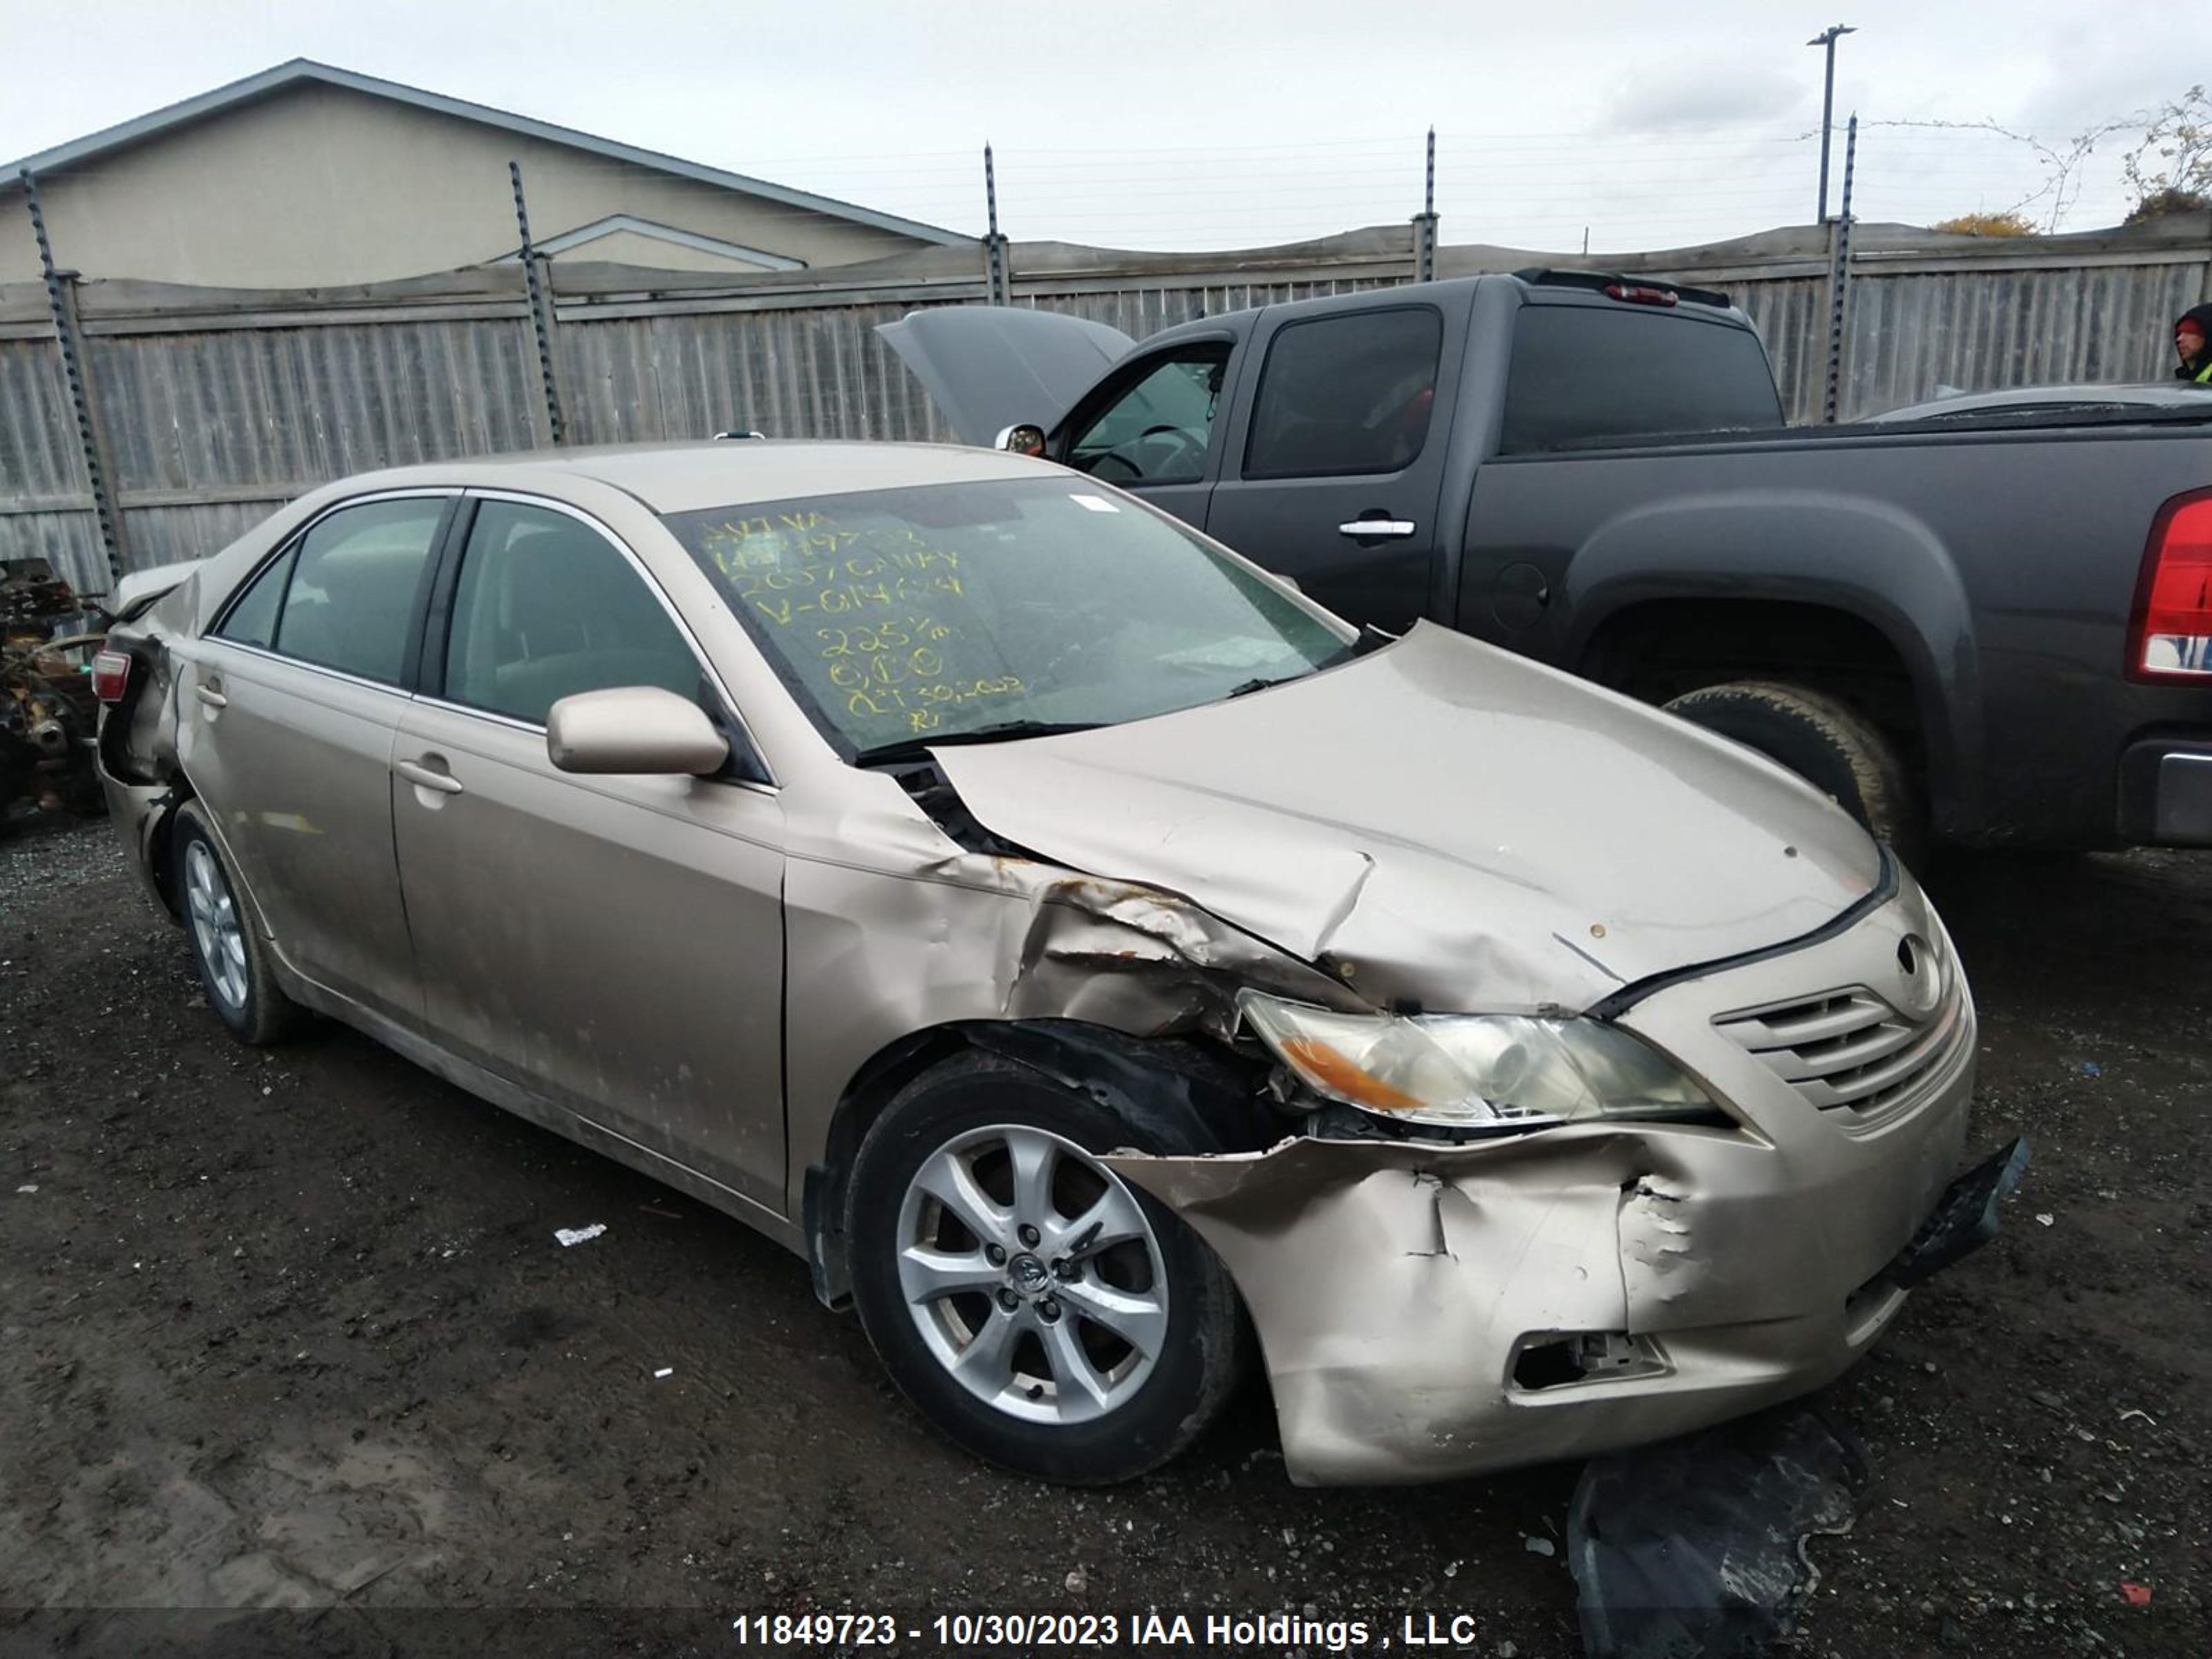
(1828, 38)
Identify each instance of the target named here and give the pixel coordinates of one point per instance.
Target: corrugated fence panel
(69, 541)
(38, 453)
(290, 408)
(1917, 337)
(212, 427)
(161, 534)
(795, 374)
(1789, 313)
(46, 501)
(1137, 312)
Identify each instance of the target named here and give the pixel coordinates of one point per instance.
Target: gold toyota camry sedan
(1100, 965)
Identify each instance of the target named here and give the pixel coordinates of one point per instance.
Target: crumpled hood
(1444, 822)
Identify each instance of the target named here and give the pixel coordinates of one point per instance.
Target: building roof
(302, 70)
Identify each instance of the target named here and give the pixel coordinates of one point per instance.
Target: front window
(1157, 431)
(546, 608)
(928, 614)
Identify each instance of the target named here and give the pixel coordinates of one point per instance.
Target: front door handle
(1365, 530)
(211, 696)
(427, 777)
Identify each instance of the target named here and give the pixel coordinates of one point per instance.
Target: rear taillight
(1642, 293)
(2171, 642)
(110, 676)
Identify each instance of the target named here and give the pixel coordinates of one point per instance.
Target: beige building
(309, 176)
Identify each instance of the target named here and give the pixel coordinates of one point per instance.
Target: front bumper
(1396, 1286)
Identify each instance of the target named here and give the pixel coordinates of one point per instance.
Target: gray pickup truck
(1994, 631)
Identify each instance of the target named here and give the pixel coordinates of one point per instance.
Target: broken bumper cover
(1396, 1290)
(1398, 1287)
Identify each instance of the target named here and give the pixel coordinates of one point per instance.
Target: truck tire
(991, 1360)
(1825, 741)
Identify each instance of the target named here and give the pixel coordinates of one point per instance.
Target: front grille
(1854, 1050)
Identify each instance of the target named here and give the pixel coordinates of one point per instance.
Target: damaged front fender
(970, 939)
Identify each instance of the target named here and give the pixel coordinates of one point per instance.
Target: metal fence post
(91, 430)
(540, 284)
(1839, 285)
(1424, 223)
(998, 278)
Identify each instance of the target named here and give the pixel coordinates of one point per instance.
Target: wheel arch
(1201, 1096)
(1813, 552)
(1657, 644)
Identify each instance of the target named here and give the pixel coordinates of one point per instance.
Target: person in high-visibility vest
(2192, 342)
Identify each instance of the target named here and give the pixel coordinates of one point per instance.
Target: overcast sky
(1216, 125)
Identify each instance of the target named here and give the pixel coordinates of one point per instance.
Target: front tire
(227, 949)
(1825, 741)
(1039, 1310)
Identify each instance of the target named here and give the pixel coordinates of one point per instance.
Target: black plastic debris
(1695, 1548)
(1964, 1219)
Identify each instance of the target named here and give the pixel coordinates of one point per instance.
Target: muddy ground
(292, 1332)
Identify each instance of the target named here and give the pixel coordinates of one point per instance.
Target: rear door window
(350, 604)
(1586, 372)
(1346, 395)
(547, 607)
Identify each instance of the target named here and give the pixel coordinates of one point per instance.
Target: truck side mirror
(1023, 438)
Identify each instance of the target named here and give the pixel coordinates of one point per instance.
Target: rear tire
(1028, 1361)
(1825, 741)
(227, 948)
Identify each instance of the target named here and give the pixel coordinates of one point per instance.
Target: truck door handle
(427, 777)
(1376, 530)
(211, 696)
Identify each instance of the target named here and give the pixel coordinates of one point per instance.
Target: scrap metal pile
(47, 711)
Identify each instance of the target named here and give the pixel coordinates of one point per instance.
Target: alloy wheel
(218, 930)
(1032, 1273)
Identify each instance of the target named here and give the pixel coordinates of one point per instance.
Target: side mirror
(1022, 438)
(633, 728)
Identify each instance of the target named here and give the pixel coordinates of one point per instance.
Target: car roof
(686, 477)
(2162, 394)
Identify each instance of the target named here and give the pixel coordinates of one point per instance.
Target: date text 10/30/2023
(1416, 1632)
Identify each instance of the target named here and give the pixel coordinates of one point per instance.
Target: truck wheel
(233, 963)
(1825, 741)
(1038, 1309)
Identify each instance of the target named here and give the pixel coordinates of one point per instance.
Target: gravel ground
(291, 1331)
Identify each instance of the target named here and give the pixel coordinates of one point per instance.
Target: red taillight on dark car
(2171, 642)
(110, 676)
(1642, 293)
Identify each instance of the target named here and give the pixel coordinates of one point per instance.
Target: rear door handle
(1377, 530)
(211, 696)
(427, 777)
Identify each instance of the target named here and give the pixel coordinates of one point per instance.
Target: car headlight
(1475, 1071)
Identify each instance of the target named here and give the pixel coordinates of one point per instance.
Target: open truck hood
(987, 367)
(1441, 822)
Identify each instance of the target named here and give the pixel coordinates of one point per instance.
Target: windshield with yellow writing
(906, 615)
